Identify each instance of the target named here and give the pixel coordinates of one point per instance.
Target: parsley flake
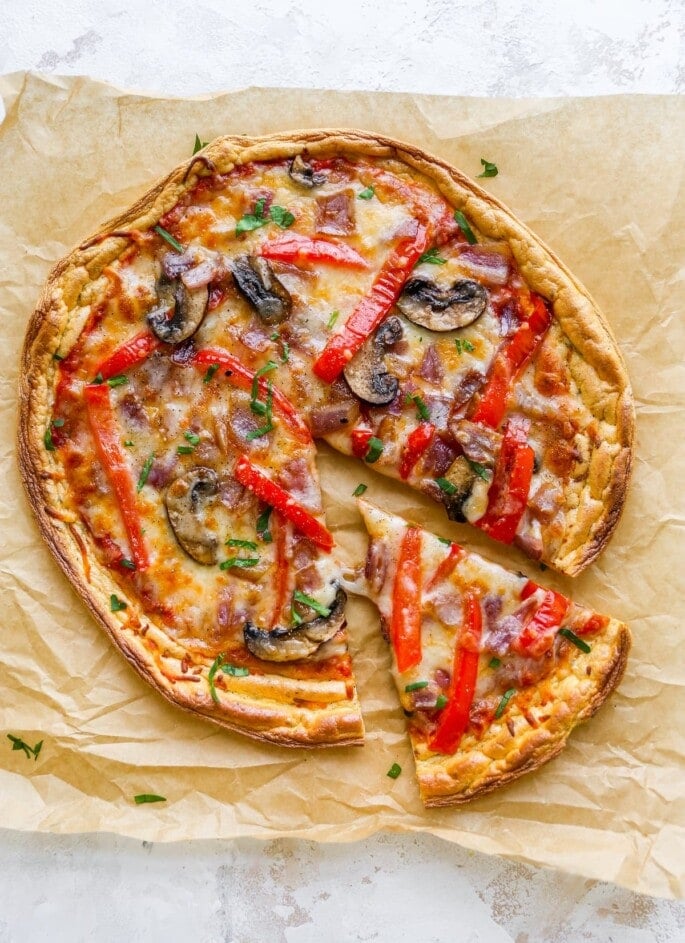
(394, 771)
(494, 663)
(311, 603)
(19, 744)
(465, 228)
(359, 490)
(432, 258)
(573, 638)
(489, 169)
(445, 486)
(211, 370)
(174, 243)
(148, 797)
(192, 437)
(116, 604)
(243, 544)
(127, 564)
(282, 217)
(198, 145)
(421, 408)
(463, 345)
(441, 702)
(374, 451)
(366, 194)
(145, 471)
(331, 321)
(479, 470)
(262, 526)
(239, 562)
(415, 686)
(506, 697)
(254, 220)
(118, 380)
(185, 449)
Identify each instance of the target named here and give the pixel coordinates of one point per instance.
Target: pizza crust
(58, 320)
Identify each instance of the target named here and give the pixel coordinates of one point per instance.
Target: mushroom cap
(441, 308)
(186, 501)
(256, 281)
(366, 374)
(290, 644)
(180, 311)
(302, 172)
(462, 477)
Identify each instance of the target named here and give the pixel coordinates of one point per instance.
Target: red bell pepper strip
(360, 439)
(296, 248)
(510, 359)
(539, 632)
(239, 376)
(106, 433)
(446, 566)
(454, 719)
(134, 351)
(508, 494)
(405, 626)
(371, 310)
(251, 477)
(418, 441)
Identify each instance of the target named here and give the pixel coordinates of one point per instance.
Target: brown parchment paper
(601, 180)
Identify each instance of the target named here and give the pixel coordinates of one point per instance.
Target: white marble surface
(104, 888)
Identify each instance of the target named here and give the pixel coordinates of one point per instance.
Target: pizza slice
(493, 670)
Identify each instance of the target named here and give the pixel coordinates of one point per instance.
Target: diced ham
(438, 457)
(133, 411)
(545, 501)
(162, 471)
(335, 215)
(439, 408)
(255, 338)
(499, 637)
(296, 479)
(332, 417)
(469, 384)
(479, 443)
(182, 353)
(485, 265)
(431, 368)
(376, 566)
(448, 606)
(241, 422)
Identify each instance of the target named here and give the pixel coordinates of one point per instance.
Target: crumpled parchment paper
(601, 181)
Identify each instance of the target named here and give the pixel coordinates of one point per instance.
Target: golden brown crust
(58, 319)
(529, 733)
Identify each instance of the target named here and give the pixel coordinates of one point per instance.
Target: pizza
(492, 670)
(183, 362)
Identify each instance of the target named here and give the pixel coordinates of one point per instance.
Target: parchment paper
(601, 180)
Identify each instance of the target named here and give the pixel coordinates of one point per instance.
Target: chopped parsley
(506, 697)
(219, 664)
(57, 356)
(441, 702)
(415, 686)
(394, 771)
(445, 486)
(421, 408)
(148, 797)
(198, 145)
(243, 544)
(185, 449)
(573, 638)
(211, 370)
(168, 238)
(19, 744)
(235, 671)
(98, 379)
(285, 354)
(116, 604)
(479, 470)
(129, 443)
(192, 437)
(444, 540)
(255, 404)
(374, 451)
(489, 169)
(282, 217)
(465, 228)
(240, 562)
(268, 414)
(366, 194)
(311, 603)
(118, 380)
(262, 525)
(127, 564)
(494, 663)
(331, 321)
(145, 472)
(432, 258)
(463, 345)
(359, 490)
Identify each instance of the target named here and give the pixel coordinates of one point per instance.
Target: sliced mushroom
(366, 374)
(304, 174)
(462, 477)
(291, 644)
(179, 312)
(256, 281)
(187, 499)
(441, 308)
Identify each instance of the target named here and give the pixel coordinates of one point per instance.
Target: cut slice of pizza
(493, 670)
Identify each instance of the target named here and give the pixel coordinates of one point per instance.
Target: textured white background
(393, 888)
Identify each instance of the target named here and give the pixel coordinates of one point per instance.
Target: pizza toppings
(186, 502)
(179, 312)
(456, 487)
(256, 281)
(405, 628)
(439, 308)
(304, 638)
(508, 494)
(366, 374)
(298, 249)
(303, 174)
